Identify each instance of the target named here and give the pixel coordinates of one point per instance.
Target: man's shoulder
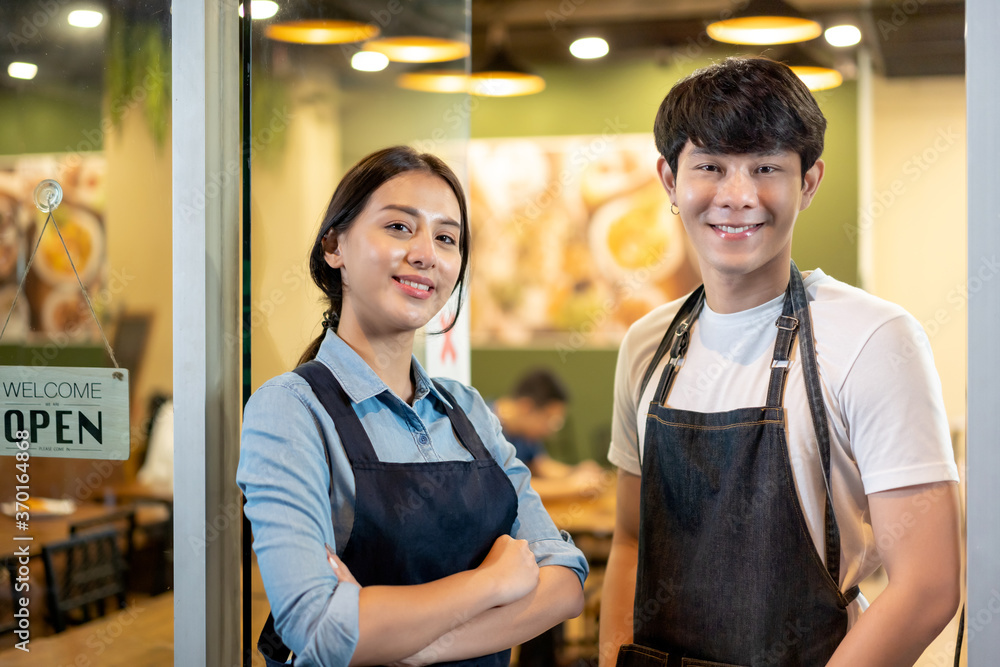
(834, 303)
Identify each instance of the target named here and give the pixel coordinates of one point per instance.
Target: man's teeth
(425, 288)
(734, 230)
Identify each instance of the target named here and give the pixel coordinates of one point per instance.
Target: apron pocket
(637, 655)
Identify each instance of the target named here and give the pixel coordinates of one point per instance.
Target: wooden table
(46, 529)
(130, 491)
(592, 514)
(140, 635)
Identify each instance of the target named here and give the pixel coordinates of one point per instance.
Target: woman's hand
(339, 568)
(511, 567)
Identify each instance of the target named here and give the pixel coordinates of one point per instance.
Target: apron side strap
(817, 409)
(352, 433)
(269, 643)
(464, 430)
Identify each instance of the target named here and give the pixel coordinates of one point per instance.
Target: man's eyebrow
(700, 150)
(409, 210)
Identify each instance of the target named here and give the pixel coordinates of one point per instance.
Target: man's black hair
(542, 386)
(744, 106)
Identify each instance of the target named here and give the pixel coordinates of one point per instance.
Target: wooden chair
(123, 521)
(81, 573)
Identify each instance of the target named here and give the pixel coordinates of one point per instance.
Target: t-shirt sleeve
(624, 449)
(533, 524)
(893, 403)
(284, 475)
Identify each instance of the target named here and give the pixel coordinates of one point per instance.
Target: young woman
(443, 551)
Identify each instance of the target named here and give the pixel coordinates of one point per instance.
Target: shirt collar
(356, 376)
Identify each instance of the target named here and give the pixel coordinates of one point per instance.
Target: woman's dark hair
(351, 197)
(741, 105)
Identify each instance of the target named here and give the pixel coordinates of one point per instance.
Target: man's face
(541, 422)
(739, 209)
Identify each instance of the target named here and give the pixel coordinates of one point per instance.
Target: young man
(778, 437)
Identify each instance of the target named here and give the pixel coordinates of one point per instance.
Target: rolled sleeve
(284, 475)
(533, 524)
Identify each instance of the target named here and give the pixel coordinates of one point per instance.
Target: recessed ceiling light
(85, 18)
(261, 9)
(842, 35)
(369, 61)
(589, 47)
(22, 70)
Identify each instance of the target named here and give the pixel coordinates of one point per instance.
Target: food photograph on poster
(51, 305)
(575, 240)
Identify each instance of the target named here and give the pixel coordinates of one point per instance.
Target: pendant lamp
(501, 76)
(816, 75)
(765, 22)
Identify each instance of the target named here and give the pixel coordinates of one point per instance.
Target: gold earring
(674, 209)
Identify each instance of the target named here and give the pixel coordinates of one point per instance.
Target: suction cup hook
(48, 196)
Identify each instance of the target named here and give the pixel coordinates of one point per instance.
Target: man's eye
(766, 169)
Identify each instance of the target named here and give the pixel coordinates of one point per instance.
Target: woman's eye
(444, 238)
(397, 226)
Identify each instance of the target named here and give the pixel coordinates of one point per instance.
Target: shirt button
(422, 439)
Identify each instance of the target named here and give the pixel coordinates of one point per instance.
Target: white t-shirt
(888, 426)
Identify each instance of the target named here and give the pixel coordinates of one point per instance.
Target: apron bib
(728, 574)
(413, 522)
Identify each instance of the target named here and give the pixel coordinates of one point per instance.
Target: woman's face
(399, 260)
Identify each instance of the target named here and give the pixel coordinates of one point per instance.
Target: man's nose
(737, 190)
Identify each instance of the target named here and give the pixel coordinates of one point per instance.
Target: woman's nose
(421, 251)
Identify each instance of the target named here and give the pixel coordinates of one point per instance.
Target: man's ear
(667, 178)
(810, 183)
(331, 250)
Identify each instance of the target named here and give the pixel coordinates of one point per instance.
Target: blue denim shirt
(295, 507)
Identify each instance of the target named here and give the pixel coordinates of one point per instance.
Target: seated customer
(534, 411)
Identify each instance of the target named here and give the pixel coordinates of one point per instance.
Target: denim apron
(413, 522)
(728, 575)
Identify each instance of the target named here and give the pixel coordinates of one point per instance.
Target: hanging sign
(78, 413)
(70, 413)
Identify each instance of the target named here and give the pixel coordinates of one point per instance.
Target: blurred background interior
(544, 107)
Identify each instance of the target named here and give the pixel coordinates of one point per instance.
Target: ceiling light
(818, 78)
(842, 35)
(589, 47)
(435, 81)
(765, 22)
(419, 49)
(261, 9)
(369, 61)
(22, 70)
(85, 18)
(321, 31)
(505, 83)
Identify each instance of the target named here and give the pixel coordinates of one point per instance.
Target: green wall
(50, 123)
(589, 375)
